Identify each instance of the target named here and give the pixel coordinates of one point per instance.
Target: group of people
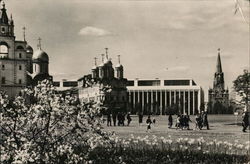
(120, 117)
(182, 121)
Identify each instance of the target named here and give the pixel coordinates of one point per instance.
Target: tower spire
(95, 58)
(24, 35)
(119, 59)
(106, 50)
(39, 45)
(4, 18)
(218, 65)
(102, 57)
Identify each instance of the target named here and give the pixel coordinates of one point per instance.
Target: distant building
(160, 96)
(105, 85)
(67, 87)
(218, 96)
(19, 67)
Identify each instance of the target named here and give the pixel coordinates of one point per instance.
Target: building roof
(29, 49)
(40, 55)
(218, 65)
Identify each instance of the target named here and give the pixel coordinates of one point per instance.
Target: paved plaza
(222, 127)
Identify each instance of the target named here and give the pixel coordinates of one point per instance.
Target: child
(149, 122)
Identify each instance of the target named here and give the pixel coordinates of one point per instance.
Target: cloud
(93, 31)
(177, 68)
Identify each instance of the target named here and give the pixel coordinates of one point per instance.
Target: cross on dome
(24, 37)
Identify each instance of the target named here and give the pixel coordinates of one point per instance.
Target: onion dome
(40, 55)
(101, 65)
(29, 49)
(119, 62)
(119, 66)
(108, 62)
(94, 67)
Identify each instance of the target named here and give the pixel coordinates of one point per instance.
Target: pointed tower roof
(218, 65)
(3, 15)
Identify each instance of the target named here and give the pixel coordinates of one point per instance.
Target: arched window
(4, 50)
(20, 67)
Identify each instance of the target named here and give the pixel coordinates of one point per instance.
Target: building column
(184, 101)
(189, 101)
(138, 98)
(199, 99)
(152, 100)
(174, 96)
(179, 104)
(166, 99)
(193, 102)
(170, 103)
(147, 100)
(142, 101)
(134, 98)
(161, 104)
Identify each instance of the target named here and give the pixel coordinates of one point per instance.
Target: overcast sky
(156, 39)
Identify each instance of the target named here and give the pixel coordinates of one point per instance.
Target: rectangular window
(130, 83)
(176, 82)
(3, 67)
(3, 80)
(20, 81)
(20, 67)
(20, 55)
(149, 83)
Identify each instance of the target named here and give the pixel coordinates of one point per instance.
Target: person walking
(108, 119)
(129, 118)
(205, 121)
(148, 122)
(114, 118)
(178, 122)
(245, 121)
(197, 122)
(170, 121)
(140, 115)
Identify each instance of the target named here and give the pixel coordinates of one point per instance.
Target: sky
(156, 39)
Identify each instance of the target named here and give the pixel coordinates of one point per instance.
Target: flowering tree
(242, 87)
(51, 129)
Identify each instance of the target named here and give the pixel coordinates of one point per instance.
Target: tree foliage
(242, 87)
(52, 128)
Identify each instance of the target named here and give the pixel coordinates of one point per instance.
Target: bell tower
(219, 75)
(6, 25)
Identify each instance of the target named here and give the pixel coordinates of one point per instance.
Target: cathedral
(19, 65)
(105, 85)
(218, 97)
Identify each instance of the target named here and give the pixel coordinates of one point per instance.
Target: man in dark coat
(108, 119)
(205, 121)
(114, 118)
(245, 121)
(170, 121)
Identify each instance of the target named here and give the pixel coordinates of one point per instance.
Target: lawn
(222, 127)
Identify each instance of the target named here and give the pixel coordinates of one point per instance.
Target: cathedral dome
(29, 49)
(94, 67)
(119, 66)
(108, 62)
(40, 55)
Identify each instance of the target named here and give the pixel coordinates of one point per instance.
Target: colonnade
(161, 101)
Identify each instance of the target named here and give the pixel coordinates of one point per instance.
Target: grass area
(222, 127)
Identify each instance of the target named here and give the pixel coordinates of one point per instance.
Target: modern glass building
(159, 96)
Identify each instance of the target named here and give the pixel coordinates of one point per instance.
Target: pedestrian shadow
(238, 124)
